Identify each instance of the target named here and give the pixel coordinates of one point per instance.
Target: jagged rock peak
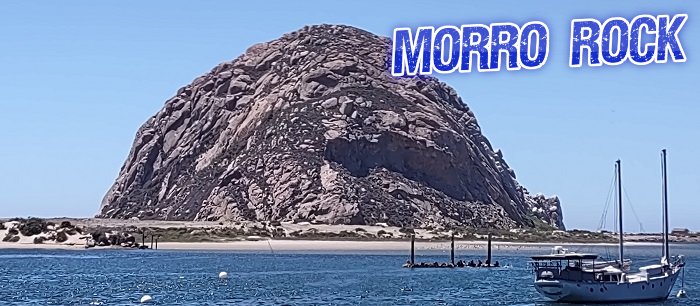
(312, 127)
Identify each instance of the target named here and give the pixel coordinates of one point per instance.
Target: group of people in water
(477, 264)
(459, 264)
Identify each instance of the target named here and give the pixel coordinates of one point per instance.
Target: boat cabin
(575, 267)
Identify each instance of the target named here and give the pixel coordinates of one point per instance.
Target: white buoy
(146, 299)
(681, 294)
(223, 275)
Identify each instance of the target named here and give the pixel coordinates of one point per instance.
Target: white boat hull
(653, 289)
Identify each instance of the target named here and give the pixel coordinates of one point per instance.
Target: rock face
(312, 127)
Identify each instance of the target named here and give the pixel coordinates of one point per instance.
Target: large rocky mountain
(312, 127)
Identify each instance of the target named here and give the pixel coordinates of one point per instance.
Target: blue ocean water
(122, 277)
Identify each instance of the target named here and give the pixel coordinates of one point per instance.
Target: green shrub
(10, 238)
(2, 225)
(39, 240)
(406, 230)
(347, 234)
(61, 236)
(13, 231)
(33, 226)
(66, 224)
(97, 233)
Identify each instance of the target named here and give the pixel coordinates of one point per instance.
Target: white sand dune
(264, 245)
(27, 242)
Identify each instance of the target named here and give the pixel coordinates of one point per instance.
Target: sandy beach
(43, 246)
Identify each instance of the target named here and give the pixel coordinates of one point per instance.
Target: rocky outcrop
(312, 127)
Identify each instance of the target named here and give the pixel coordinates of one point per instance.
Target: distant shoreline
(339, 245)
(273, 245)
(304, 236)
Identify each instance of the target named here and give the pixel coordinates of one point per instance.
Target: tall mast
(619, 203)
(665, 204)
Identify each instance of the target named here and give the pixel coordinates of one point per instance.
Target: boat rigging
(576, 277)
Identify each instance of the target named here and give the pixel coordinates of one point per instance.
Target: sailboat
(576, 277)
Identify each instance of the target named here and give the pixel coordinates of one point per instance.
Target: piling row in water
(411, 263)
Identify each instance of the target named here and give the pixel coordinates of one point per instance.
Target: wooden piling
(451, 264)
(151, 241)
(157, 241)
(452, 249)
(413, 250)
(488, 257)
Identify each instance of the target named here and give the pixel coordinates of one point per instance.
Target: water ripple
(106, 277)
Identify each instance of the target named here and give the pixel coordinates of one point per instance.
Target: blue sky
(78, 79)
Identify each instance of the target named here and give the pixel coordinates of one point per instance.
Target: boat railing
(546, 269)
(535, 264)
(678, 261)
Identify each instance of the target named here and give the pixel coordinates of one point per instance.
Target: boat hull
(653, 289)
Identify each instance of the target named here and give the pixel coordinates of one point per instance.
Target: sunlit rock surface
(312, 127)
